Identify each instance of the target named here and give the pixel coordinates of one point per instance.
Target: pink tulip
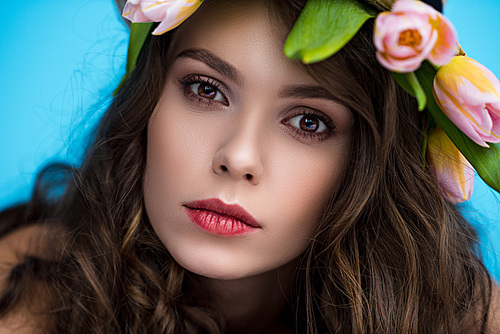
(412, 32)
(453, 172)
(170, 13)
(469, 94)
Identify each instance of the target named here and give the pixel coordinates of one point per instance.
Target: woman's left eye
(308, 123)
(207, 91)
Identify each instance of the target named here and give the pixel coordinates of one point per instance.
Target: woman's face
(244, 147)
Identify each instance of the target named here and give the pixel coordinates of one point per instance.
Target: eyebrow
(307, 92)
(216, 63)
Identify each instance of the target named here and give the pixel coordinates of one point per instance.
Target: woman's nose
(240, 156)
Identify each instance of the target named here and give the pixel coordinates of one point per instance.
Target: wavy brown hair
(388, 256)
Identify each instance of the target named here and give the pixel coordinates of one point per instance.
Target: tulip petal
(134, 13)
(474, 105)
(176, 14)
(402, 66)
(155, 10)
(456, 113)
(494, 111)
(446, 44)
(468, 93)
(453, 172)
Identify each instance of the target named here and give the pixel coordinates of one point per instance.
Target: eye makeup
(309, 124)
(204, 90)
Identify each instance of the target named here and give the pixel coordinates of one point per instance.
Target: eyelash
(312, 136)
(198, 79)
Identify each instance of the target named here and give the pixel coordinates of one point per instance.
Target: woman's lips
(217, 217)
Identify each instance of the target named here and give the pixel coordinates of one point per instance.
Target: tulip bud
(453, 172)
(170, 13)
(469, 94)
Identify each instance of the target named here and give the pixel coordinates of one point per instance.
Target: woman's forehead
(243, 34)
(227, 21)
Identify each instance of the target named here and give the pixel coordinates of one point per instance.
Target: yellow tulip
(453, 172)
(469, 94)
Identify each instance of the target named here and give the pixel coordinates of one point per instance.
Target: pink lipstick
(217, 217)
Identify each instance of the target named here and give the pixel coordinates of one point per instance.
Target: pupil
(207, 91)
(310, 124)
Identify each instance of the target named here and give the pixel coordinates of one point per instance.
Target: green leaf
(485, 160)
(402, 80)
(410, 83)
(138, 34)
(425, 143)
(324, 27)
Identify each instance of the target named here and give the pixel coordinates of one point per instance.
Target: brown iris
(310, 124)
(207, 91)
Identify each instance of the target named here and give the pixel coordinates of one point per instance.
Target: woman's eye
(207, 91)
(308, 123)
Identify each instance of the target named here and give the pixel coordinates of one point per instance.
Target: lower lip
(218, 224)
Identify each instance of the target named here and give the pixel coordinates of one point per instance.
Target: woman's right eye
(203, 90)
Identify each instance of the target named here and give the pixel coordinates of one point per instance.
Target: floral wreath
(417, 44)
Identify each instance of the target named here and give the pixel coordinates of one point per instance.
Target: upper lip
(218, 206)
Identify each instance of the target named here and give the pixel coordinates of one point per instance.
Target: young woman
(232, 189)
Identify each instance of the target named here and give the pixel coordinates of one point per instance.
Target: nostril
(249, 177)
(223, 168)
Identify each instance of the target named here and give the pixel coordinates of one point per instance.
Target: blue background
(61, 59)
